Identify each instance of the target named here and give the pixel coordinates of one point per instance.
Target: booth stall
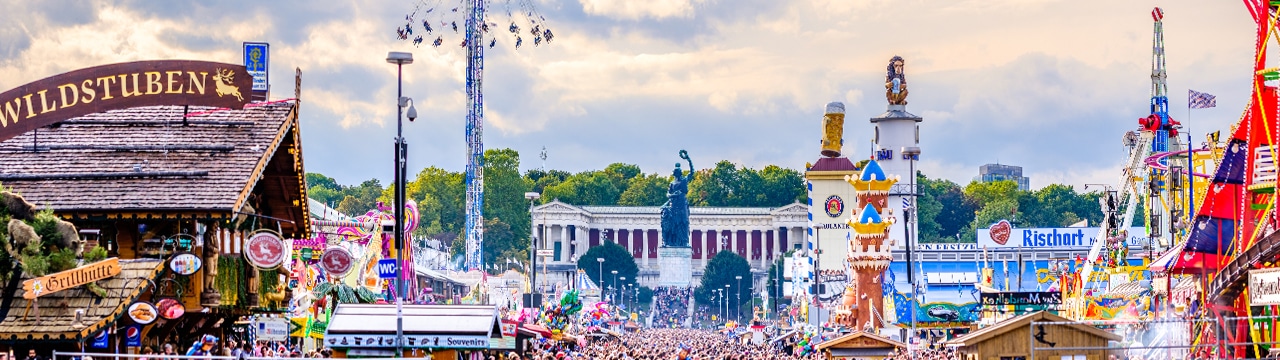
(441, 331)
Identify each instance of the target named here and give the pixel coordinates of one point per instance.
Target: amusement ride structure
(433, 13)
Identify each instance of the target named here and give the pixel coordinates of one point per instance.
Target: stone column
(764, 251)
(779, 247)
(564, 243)
(644, 246)
(582, 241)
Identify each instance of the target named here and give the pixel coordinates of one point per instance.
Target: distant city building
(998, 172)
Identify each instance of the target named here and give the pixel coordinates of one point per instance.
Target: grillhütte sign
(120, 86)
(63, 280)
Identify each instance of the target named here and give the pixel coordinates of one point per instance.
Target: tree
(323, 189)
(927, 210)
(616, 258)
(645, 190)
(782, 186)
(986, 192)
(720, 271)
(542, 179)
(1002, 209)
(440, 195)
(504, 190)
(957, 209)
(714, 186)
(501, 244)
(621, 174)
(584, 188)
(361, 198)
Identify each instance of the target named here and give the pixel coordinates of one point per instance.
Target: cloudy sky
(1048, 85)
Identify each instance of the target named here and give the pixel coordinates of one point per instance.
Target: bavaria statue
(675, 213)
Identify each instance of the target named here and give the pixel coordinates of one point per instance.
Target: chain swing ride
(440, 18)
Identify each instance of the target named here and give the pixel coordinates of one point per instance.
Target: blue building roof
(869, 215)
(873, 172)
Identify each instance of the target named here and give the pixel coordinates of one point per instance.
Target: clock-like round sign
(336, 260)
(264, 249)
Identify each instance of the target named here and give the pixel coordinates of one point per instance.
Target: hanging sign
(133, 335)
(255, 63)
(185, 264)
(387, 268)
(1264, 287)
(142, 312)
(1021, 298)
(63, 280)
(336, 260)
(120, 86)
(170, 308)
(100, 341)
(264, 249)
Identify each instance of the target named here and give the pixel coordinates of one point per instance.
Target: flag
(1199, 100)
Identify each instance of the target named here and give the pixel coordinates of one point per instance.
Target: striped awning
(1164, 262)
(1129, 289)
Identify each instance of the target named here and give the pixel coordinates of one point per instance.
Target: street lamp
(601, 278)
(719, 298)
(739, 303)
(400, 153)
(615, 277)
(533, 251)
(726, 299)
(621, 289)
(912, 154)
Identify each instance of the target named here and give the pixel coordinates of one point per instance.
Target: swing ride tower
(476, 29)
(475, 131)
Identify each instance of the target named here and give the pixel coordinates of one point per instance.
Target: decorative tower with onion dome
(870, 250)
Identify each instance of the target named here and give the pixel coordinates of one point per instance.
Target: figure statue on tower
(895, 82)
(675, 213)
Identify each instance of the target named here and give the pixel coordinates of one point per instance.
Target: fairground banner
(121, 86)
(1264, 287)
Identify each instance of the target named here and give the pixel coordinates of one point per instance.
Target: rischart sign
(121, 86)
(1045, 238)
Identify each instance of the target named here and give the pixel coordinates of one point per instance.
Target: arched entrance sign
(120, 86)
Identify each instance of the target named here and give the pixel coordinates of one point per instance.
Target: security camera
(413, 113)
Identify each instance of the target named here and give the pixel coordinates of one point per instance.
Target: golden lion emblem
(224, 85)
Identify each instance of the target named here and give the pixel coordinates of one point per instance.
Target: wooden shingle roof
(57, 311)
(146, 159)
(149, 162)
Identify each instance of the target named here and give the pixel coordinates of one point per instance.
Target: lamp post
(726, 299)
(615, 278)
(533, 251)
(912, 154)
(719, 298)
(622, 292)
(601, 278)
(400, 59)
(738, 313)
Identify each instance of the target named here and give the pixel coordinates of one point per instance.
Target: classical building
(760, 235)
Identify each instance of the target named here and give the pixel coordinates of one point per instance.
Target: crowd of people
(664, 344)
(670, 307)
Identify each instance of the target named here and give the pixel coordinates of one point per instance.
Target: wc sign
(387, 268)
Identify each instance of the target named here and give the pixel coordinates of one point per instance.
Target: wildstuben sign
(120, 86)
(63, 280)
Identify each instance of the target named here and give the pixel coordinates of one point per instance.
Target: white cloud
(635, 10)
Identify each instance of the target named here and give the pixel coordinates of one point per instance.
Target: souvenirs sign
(119, 86)
(264, 249)
(336, 260)
(63, 280)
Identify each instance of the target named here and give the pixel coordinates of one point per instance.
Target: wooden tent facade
(1012, 339)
